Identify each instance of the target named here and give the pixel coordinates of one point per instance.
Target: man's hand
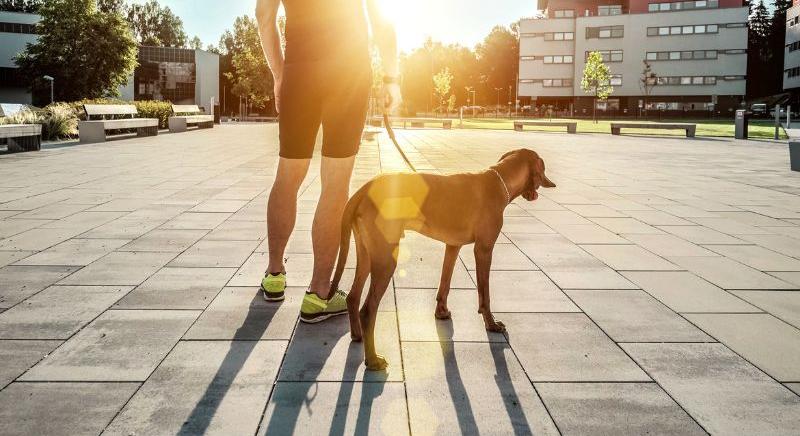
(392, 97)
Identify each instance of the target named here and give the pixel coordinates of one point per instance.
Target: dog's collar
(505, 187)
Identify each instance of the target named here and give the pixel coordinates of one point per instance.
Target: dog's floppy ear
(546, 183)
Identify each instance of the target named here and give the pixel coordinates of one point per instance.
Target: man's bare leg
(282, 209)
(326, 233)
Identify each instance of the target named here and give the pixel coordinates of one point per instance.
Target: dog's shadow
(464, 412)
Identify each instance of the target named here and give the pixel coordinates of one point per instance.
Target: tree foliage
(196, 43)
(442, 82)
(155, 25)
(20, 5)
(247, 72)
(596, 79)
(89, 53)
(498, 59)
(647, 81)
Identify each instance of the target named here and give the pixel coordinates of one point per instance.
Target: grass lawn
(759, 129)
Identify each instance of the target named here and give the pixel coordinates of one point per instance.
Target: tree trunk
(594, 110)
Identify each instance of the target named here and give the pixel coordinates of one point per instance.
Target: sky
(449, 21)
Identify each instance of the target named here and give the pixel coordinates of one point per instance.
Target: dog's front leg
(483, 265)
(450, 258)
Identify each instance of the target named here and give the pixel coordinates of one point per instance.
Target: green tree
(498, 62)
(441, 86)
(248, 73)
(155, 25)
(419, 67)
(195, 43)
(89, 53)
(112, 6)
(596, 80)
(647, 82)
(760, 55)
(20, 5)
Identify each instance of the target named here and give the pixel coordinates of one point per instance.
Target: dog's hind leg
(483, 266)
(362, 273)
(382, 268)
(450, 258)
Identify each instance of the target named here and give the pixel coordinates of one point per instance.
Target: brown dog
(458, 210)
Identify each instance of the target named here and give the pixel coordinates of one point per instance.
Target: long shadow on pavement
(251, 330)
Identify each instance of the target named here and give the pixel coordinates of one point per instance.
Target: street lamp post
(497, 106)
(52, 92)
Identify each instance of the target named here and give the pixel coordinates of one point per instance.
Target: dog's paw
(442, 313)
(377, 363)
(496, 327)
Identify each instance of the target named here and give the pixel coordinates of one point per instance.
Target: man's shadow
(243, 343)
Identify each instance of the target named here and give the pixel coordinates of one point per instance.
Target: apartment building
(696, 48)
(791, 59)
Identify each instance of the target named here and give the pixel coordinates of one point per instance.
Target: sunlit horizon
(465, 22)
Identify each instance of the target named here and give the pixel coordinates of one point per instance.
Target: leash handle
(388, 124)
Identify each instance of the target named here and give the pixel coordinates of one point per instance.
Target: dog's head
(534, 165)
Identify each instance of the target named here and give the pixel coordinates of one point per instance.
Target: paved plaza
(655, 291)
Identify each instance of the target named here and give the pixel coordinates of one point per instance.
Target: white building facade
(697, 50)
(178, 75)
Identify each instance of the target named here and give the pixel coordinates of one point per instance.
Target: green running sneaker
(315, 309)
(273, 286)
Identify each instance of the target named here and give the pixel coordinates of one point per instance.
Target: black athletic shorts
(323, 94)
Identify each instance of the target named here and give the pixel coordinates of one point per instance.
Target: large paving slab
(20, 282)
(471, 388)
(783, 305)
(74, 252)
(58, 311)
(118, 346)
(567, 347)
(683, 291)
(634, 316)
(722, 391)
(120, 268)
(767, 342)
(526, 291)
(61, 408)
(201, 387)
(19, 356)
(178, 288)
(615, 409)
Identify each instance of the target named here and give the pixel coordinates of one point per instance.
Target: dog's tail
(348, 221)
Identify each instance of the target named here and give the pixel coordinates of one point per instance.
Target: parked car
(758, 109)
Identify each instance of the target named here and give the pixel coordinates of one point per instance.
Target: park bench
(689, 128)
(11, 109)
(416, 122)
(92, 131)
(186, 115)
(22, 137)
(572, 126)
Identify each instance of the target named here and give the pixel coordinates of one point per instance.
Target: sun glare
(414, 20)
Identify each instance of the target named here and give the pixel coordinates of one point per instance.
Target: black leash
(390, 131)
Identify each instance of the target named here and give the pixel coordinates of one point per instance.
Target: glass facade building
(166, 73)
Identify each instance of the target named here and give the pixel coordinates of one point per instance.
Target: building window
(607, 55)
(605, 32)
(527, 58)
(558, 59)
(564, 13)
(28, 29)
(11, 78)
(793, 46)
(559, 36)
(605, 11)
(615, 80)
(687, 80)
(683, 30)
(681, 55)
(557, 83)
(793, 21)
(791, 72)
(682, 5)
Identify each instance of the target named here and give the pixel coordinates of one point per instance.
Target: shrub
(59, 121)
